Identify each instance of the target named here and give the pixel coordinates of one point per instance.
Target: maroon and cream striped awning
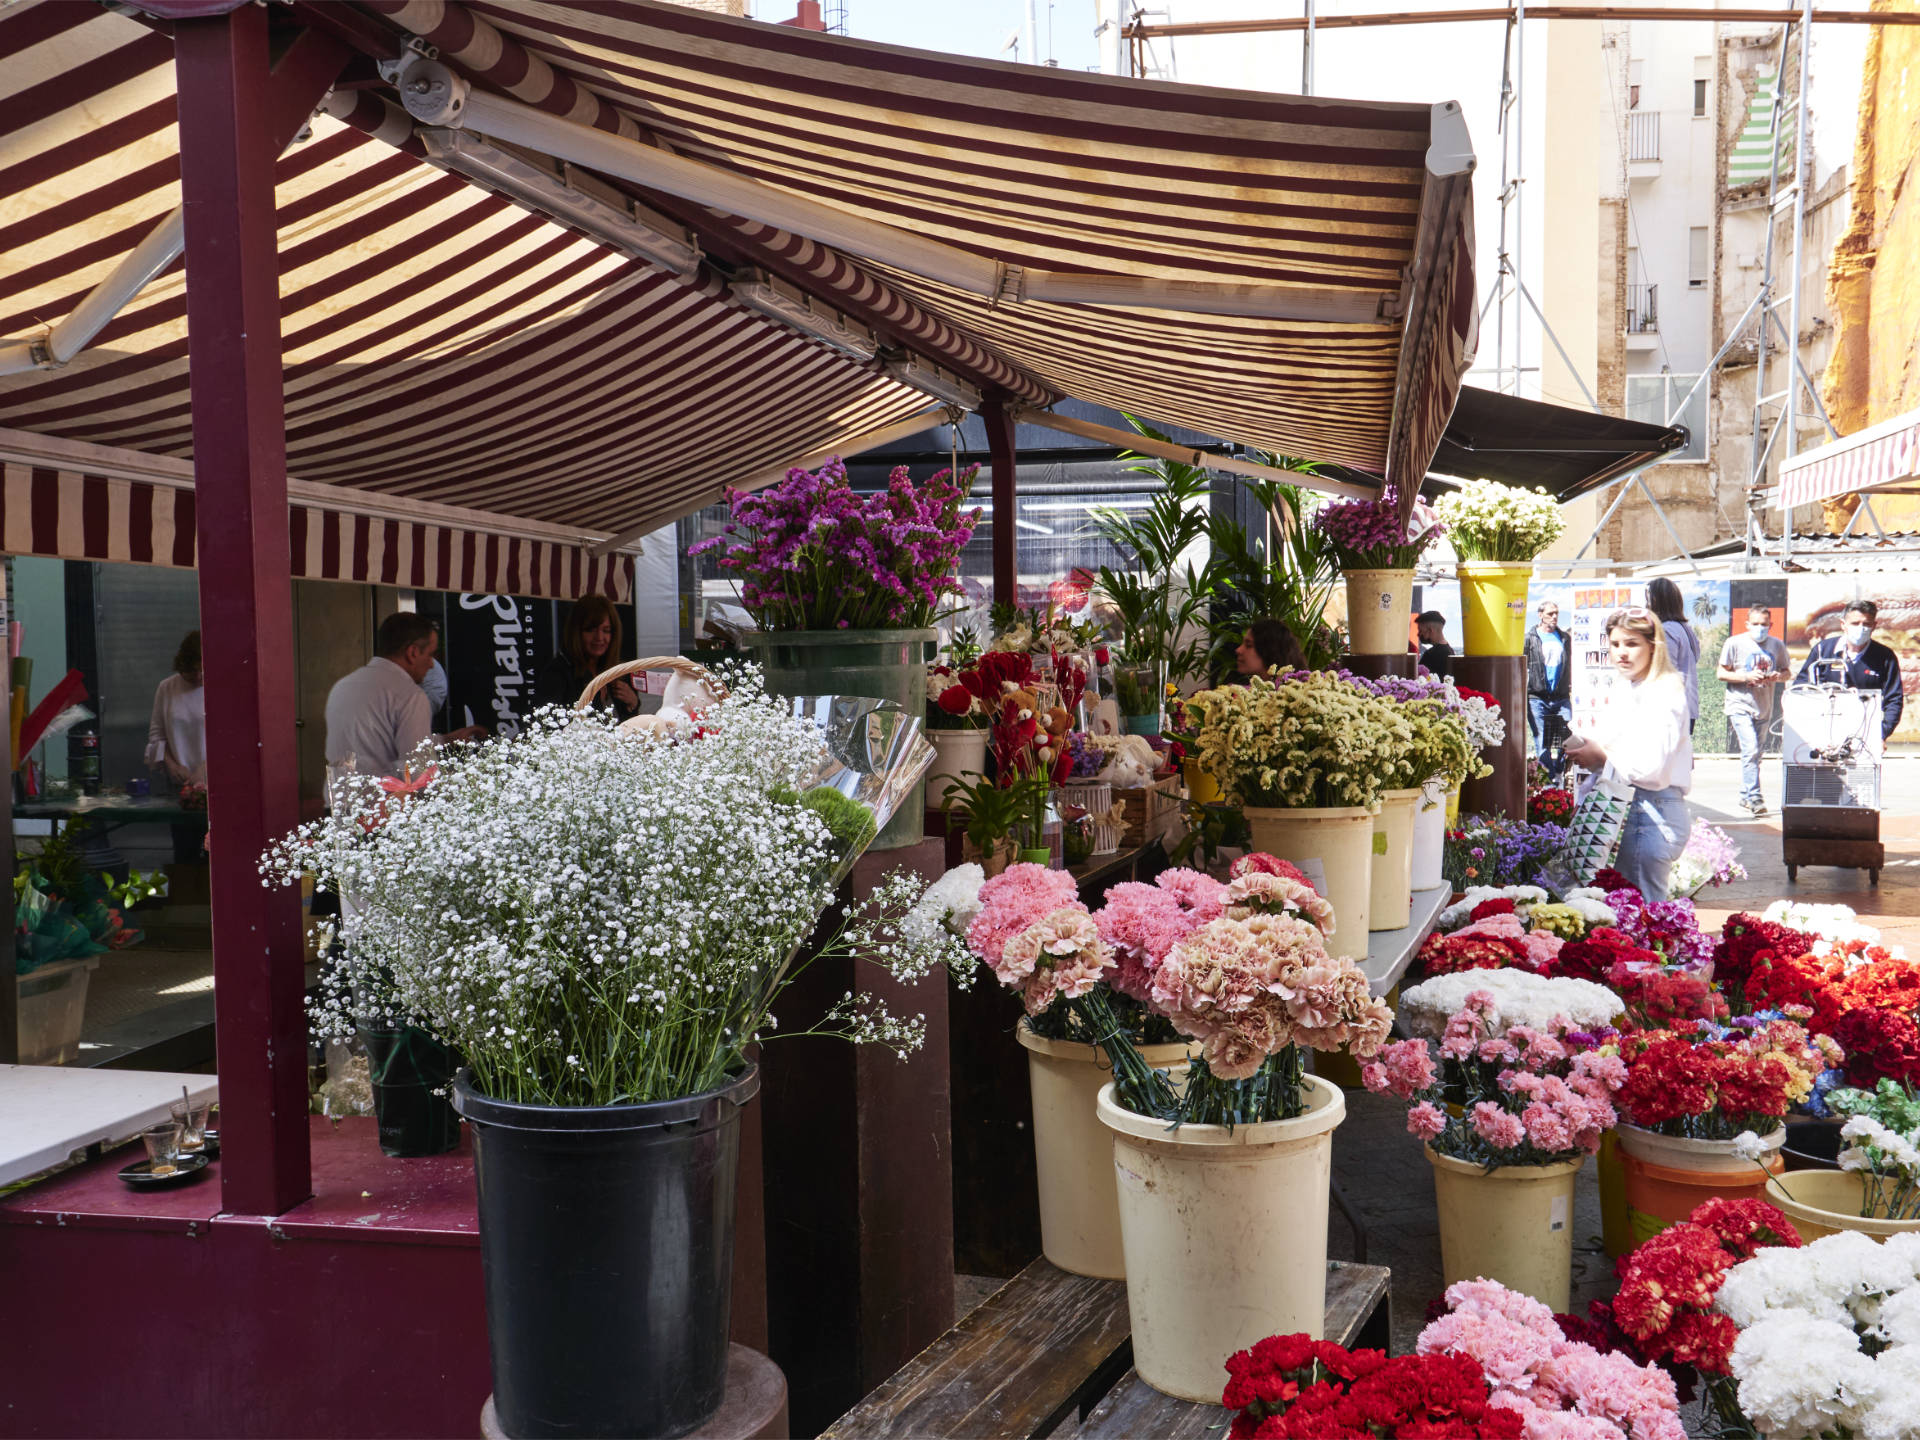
(1869, 459)
(445, 346)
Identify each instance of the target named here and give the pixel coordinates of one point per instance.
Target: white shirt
(435, 684)
(177, 729)
(1644, 732)
(378, 715)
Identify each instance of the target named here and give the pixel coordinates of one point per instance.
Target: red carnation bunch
(1879, 1043)
(1450, 954)
(1776, 981)
(1668, 1285)
(1686, 1082)
(1595, 956)
(1661, 999)
(1744, 937)
(1611, 880)
(1500, 905)
(1290, 1387)
(1552, 806)
(1882, 983)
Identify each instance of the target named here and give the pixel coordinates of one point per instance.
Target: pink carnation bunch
(1260, 893)
(1561, 1387)
(1060, 954)
(1143, 922)
(1202, 896)
(1248, 988)
(1017, 897)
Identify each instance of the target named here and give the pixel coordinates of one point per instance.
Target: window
(1636, 70)
(1656, 399)
(1699, 97)
(1699, 258)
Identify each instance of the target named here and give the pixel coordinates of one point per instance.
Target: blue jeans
(1538, 709)
(1655, 834)
(1751, 736)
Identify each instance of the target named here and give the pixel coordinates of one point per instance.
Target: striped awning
(444, 345)
(1881, 455)
(87, 502)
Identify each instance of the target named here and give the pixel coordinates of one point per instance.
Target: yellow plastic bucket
(1202, 788)
(1493, 605)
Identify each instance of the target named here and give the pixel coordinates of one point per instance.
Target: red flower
(1668, 1285)
(1611, 880)
(1291, 1388)
(956, 700)
(1102, 655)
(1879, 1043)
(1488, 908)
(1468, 694)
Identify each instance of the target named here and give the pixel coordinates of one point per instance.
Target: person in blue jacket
(1855, 659)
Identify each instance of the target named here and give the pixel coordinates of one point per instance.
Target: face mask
(1759, 629)
(1857, 636)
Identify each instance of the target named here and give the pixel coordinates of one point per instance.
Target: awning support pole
(1006, 502)
(246, 600)
(1626, 485)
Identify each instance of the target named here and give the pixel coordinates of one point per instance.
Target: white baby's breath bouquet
(1486, 520)
(600, 919)
(1311, 740)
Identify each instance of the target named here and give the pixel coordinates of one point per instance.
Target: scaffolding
(1509, 296)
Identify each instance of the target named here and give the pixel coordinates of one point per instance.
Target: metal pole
(246, 599)
(1306, 54)
(1803, 117)
(1519, 182)
(1561, 350)
(1756, 475)
(1506, 195)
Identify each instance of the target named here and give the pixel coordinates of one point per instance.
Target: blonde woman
(1643, 740)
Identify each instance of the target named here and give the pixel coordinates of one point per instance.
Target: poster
(493, 648)
(1816, 606)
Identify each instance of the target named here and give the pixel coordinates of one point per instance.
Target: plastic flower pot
(1036, 855)
(1429, 837)
(606, 1245)
(1493, 606)
(1453, 808)
(1225, 1233)
(1513, 1224)
(1390, 897)
(1379, 611)
(877, 664)
(1825, 1202)
(958, 755)
(1616, 1225)
(1073, 1151)
(1202, 788)
(1335, 847)
(406, 1068)
(1660, 1195)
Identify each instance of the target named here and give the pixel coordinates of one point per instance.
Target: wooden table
(1047, 1344)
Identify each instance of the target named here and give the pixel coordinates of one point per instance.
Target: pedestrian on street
(1752, 665)
(1549, 654)
(1642, 739)
(1855, 659)
(1683, 641)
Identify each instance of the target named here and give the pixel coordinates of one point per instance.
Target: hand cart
(1830, 758)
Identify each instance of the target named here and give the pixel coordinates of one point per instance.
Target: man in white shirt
(379, 715)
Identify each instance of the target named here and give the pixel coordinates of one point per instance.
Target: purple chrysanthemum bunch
(1369, 535)
(812, 554)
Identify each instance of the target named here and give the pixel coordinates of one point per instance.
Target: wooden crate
(1152, 813)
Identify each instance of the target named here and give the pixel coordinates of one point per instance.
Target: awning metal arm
(1186, 455)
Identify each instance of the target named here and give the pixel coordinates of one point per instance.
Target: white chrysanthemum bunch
(1308, 741)
(1829, 1337)
(1519, 998)
(1489, 521)
(594, 919)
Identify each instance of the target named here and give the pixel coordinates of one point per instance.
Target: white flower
(1801, 1376)
(951, 901)
(1835, 924)
(1519, 997)
(1524, 897)
(1749, 1146)
(1590, 903)
(1893, 1409)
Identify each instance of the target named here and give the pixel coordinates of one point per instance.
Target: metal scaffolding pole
(1800, 145)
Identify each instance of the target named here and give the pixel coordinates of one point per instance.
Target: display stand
(1504, 792)
(1378, 667)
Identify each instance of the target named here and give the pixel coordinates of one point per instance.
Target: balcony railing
(1643, 309)
(1643, 135)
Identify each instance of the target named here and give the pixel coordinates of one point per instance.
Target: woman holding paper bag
(1643, 740)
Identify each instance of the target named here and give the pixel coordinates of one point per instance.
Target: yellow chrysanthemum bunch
(1303, 743)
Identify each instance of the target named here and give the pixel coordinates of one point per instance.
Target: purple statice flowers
(811, 554)
(1369, 534)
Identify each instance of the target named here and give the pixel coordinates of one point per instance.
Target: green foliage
(1158, 597)
(1292, 583)
(994, 810)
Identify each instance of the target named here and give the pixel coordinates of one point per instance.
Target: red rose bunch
(1552, 806)
(1879, 1043)
(1668, 1285)
(1289, 1387)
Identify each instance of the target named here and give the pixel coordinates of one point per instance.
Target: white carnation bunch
(1519, 998)
(1524, 898)
(1590, 903)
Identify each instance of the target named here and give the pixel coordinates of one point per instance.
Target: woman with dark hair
(589, 643)
(177, 738)
(1683, 641)
(1268, 645)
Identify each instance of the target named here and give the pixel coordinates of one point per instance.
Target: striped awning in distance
(446, 345)
(1880, 455)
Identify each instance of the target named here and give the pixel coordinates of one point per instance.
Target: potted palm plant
(846, 587)
(601, 923)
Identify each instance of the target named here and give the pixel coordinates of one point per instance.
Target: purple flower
(1369, 535)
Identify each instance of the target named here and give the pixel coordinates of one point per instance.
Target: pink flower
(1373, 1075)
(1480, 1002)
(1498, 1051)
(1259, 893)
(1410, 1067)
(1202, 895)
(1013, 900)
(1142, 923)
(1501, 1129)
(1060, 954)
(1426, 1120)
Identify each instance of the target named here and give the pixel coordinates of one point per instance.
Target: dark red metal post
(1006, 502)
(227, 157)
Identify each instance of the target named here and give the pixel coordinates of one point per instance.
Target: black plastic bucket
(606, 1236)
(405, 1067)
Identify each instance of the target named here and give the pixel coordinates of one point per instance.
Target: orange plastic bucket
(1659, 1195)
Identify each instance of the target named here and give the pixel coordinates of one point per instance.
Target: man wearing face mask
(1752, 665)
(1855, 659)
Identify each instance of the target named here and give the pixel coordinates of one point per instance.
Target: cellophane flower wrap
(1370, 535)
(1293, 1387)
(1526, 1094)
(1486, 520)
(1711, 858)
(1829, 1341)
(811, 553)
(1306, 740)
(592, 918)
(1558, 1386)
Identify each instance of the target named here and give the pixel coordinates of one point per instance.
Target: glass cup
(163, 1146)
(192, 1120)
